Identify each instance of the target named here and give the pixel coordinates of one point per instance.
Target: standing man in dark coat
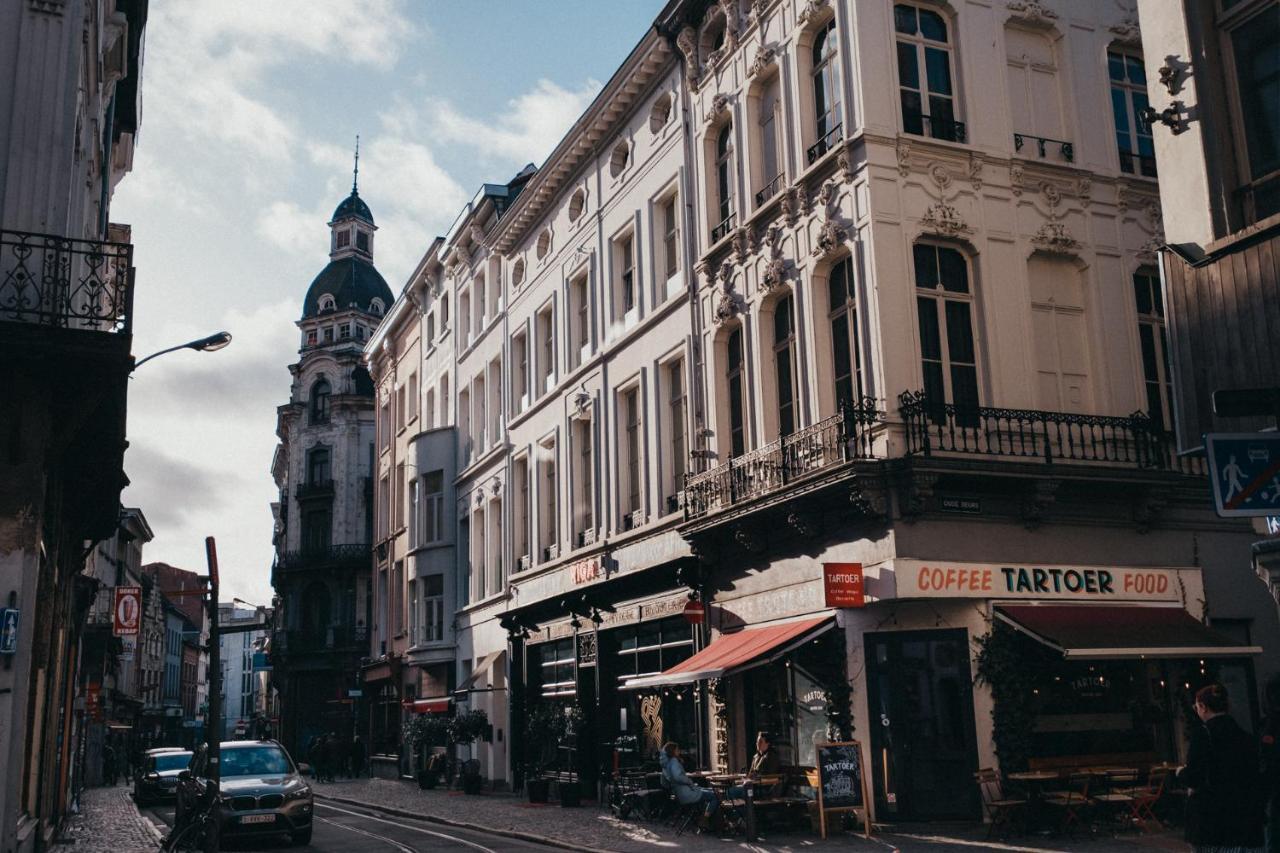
(1269, 747)
(1224, 811)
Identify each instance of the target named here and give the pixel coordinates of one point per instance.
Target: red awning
(736, 652)
(1094, 632)
(429, 706)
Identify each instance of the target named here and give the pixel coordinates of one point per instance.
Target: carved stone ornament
(810, 11)
(827, 194)
(916, 495)
(868, 501)
(687, 43)
(749, 538)
(940, 176)
(1040, 496)
(975, 170)
(480, 497)
(1054, 237)
(719, 105)
(803, 523)
(1052, 195)
(942, 218)
(582, 402)
(845, 161)
(1128, 32)
(904, 157)
(1084, 191)
(742, 243)
(765, 57)
(49, 7)
(477, 234)
(728, 305)
(495, 487)
(1015, 178)
(730, 9)
(1032, 12)
(758, 9)
(829, 238)
(792, 201)
(1155, 217)
(775, 271)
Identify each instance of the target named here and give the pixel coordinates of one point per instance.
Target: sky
(250, 113)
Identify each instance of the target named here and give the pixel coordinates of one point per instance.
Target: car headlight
(300, 793)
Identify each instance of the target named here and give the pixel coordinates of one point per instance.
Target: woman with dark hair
(1224, 811)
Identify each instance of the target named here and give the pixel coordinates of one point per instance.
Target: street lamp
(212, 343)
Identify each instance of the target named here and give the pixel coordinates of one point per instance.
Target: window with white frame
(925, 77)
(579, 320)
(431, 409)
(546, 331)
(521, 510)
(444, 399)
(519, 371)
(548, 519)
(1157, 377)
(722, 172)
(842, 308)
(463, 574)
(769, 177)
(1251, 30)
(948, 350)
(479, 576)
(431, 329)
(735, 390)
(495, 401)
(464, 426)
(784, 364)
(432, 608)
(464, 321)
(481, 304)
(669, 222)
(400, 487)
(415, 510)
(479, 422)
(401, 408)
(1128, 102)
(584, 516)
(433, 507)
(415, 627)
(677, 429)
(824, 73)
(497, 573)
(624, 270)
(630, 453)
(412, 414)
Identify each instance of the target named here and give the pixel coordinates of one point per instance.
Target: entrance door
(923, 747)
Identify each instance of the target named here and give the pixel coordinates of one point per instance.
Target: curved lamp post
(213, 342)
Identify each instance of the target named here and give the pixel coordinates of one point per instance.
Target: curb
(458, 824)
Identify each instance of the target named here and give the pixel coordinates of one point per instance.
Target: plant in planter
(421, 733)
(541, 744)
(467, 728)
(568, 725)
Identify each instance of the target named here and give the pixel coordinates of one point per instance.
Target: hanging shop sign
(842, 584)
(586, 571)
(941, 579)
(128, 611)
(842, 782)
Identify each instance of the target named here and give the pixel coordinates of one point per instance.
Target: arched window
(327, 304)
(842, 306)
(924, 74)
(376, 307)
(736, 389)
(320, 392)
(619, 158)
(1156, 373)
(544, 243)
(577, 203)
(724, 183)
(517, 273)
(319, 469)
(948, 351)
(784, 363)
(826, 92)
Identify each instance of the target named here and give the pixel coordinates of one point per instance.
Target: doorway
(923, 745)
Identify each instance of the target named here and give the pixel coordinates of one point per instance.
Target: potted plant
(423, 732)
(540, 746)
(568, 725)
(466, 728)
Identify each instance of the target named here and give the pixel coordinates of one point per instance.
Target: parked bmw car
(262, 791)
(157, 779)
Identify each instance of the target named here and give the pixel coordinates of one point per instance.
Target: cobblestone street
(109, 822)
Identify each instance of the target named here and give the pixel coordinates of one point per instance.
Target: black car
(261, 792)
(157, 779)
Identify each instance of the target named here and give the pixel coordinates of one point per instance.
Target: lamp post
(212, 343)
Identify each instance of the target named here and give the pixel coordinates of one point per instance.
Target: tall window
(414, 618)
(412, 414)
(1255, 46)
(548, 520)
(584, 494)
(1128, 100)
(546, 349)
(924, 74)
(432, 608)
(581, 318)
(400, 485)
(631, 444)
(770, 164)
(319, 470)
(826, 85)
(670, 237)
(478, 575)
(724, 182)
(784, 352)
(481, 304)
(433, 507)
(737, 412)
(626, 263)
(415, 509)
(384, 424)
(676, 403)
(317, 526)
(1156, 374)
(464, 317)
(944, 303)
(519, 371)
(520, 535)
(845, 358)
(320, 392)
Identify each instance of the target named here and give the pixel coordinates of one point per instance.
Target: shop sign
(585, 571)
(842, 584)
(941, 579)
(954, 503)
(128, 610)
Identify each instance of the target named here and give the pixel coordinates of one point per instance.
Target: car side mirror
(185, 775)
(304, 769)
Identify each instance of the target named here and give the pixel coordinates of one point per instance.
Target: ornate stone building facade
(324, 468)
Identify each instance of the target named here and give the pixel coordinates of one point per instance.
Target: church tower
(323, 467)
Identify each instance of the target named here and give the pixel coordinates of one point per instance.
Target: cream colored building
(836, 283)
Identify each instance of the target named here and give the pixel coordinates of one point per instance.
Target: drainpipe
(105, 189)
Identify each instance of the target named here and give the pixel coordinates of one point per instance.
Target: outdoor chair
(687, 816)
(1001, 810)
(1145, 799)
(1073, 801)
(1116, 801)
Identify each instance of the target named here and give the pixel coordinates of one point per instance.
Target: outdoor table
(1035, 781)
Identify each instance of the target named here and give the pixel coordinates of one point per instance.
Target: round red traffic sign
(694, 612)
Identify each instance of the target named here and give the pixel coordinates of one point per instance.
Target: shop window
(556, 670)
(925, 74)
(842, 307)
(948, 351)
(784, 364)
(1157, 375)
(1128, 102)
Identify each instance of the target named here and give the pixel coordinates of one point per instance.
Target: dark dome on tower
(353, 205)
(353, 283)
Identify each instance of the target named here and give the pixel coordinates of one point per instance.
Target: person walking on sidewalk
(1224, 811)
(357, 757)
(109, 771)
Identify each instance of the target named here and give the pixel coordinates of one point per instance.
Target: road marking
(462, 841)
(365, 832)
(988, 845)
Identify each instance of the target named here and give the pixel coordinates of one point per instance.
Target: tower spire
(355, 175)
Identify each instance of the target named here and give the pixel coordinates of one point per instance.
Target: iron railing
(314, 489)
(780, 464)
(938, 128)
(1138, 164)
(1050, 437)
(722, 229)
(66, 282)
(301, 641)
(1066, 149)
(829, 140)
(357, 554)
(770, 189)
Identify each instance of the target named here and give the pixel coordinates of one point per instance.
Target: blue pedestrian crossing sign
(1245, 470)
(8, 631)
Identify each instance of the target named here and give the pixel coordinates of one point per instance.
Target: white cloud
(293, 229)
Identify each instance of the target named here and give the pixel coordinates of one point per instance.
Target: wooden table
(1035, 780)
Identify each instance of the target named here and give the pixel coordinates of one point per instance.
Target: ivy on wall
(1009, 664)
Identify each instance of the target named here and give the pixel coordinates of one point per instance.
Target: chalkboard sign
(841, 782)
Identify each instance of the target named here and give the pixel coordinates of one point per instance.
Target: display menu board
(842, 783)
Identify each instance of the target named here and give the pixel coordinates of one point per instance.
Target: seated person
(686, 793)
(765, 763)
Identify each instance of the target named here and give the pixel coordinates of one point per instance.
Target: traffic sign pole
(212, 717)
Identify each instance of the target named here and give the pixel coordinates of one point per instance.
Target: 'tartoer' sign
(941, 579)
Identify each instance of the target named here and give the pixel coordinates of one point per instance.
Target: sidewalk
(591, 828)
(109, 822)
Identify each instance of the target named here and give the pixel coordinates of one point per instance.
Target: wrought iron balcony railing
(829, 140)
(939, 128)
(356, 555)
(782, 463)
(316, 489)
(1032, 435)
(66, 282)
(770, 189)
(325, 639)
(1138, 164)
(722, 230)
(1066, 149)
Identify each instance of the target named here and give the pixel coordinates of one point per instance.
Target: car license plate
(258, 818)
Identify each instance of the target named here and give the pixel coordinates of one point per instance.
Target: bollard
(751, 810)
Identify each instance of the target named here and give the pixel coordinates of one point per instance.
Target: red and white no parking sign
(128, 610)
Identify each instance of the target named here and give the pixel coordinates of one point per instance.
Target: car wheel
(302, 837)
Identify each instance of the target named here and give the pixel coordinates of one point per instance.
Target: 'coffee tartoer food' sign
(940, 579)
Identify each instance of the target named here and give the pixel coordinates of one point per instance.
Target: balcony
(332, 638)
(355, 556)
(315, 489)
(1138, 164)
(66, 282)
(1041, 437)
(771, 189)
(829, 140)
(1066, 150)
(722, 229)
(947, 129)
(784, 463)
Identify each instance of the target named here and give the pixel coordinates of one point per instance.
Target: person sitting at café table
(686, 793)
(765, 763)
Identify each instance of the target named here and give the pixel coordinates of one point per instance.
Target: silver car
(261, 792)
